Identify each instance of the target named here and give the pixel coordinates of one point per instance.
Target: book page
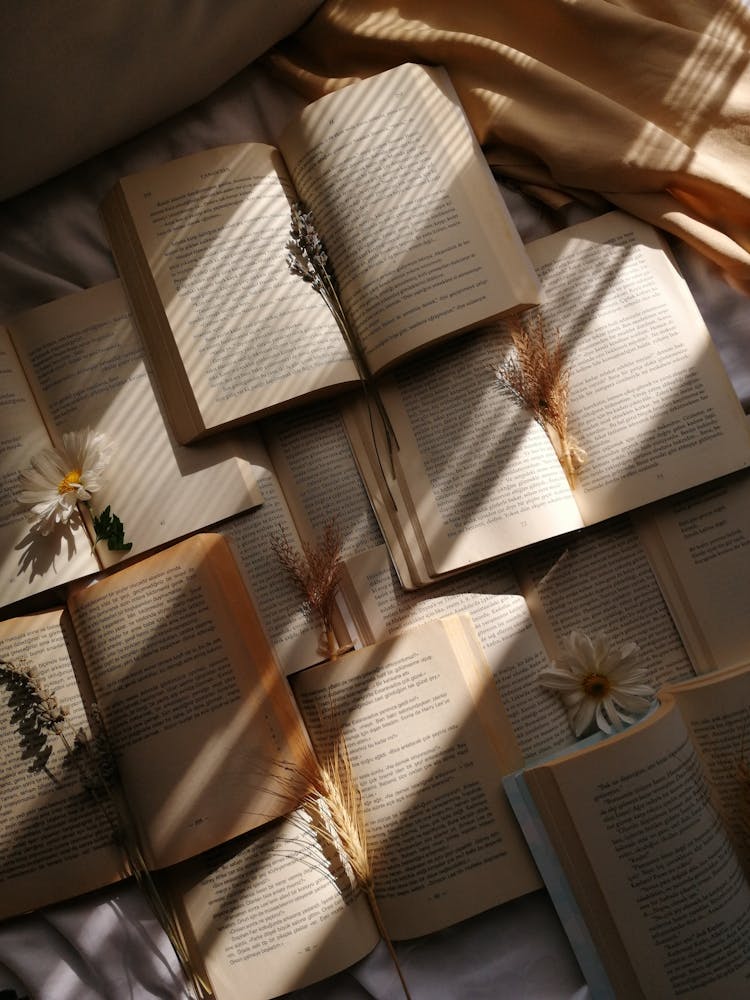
(29, 562)
(270, 912)
(193, 700)
(294, 633)
(314, 463)
(716, 710)
(480, 475)
(429, 741)
(397, 147)
(639, 805)
(247, 333)
(87, 368)
(54, 840)
(489, 593)
(600, 580)
(698, 545)
(650, 401)
(390, 507)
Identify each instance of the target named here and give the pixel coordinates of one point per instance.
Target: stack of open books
(469, 555)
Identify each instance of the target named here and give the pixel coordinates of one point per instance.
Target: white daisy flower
(601, 685)
(58, 480)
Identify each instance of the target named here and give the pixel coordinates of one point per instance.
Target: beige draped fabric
(641, 104)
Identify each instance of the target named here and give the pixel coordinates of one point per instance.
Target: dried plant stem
(372, 394)
(128, 840)
(334, 782)
(375, 910)
(538, 378)
(308, 259)
(334, 803)
(167, 919)
(316, 571)
(38, 713)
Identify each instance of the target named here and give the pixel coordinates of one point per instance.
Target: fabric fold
(642, 103)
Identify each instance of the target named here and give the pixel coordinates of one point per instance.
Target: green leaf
(109, 528)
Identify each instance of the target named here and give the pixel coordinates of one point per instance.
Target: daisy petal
(582, 718)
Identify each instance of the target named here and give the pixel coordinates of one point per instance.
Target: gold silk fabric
(639, 104)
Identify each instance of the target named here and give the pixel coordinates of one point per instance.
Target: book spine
(558, 887)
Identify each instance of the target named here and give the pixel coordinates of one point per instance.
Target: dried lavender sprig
(37, 714)
(36, 711)
(307, 258)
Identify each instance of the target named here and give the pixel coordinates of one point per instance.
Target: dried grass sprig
(307, 258)
(37, 715)
(538, 377)
(316, 571)
(334, 803)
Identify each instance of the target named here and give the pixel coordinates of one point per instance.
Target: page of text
(716, 710)
(314, 463)
(294, 632)
(193, 701)
(650, 401)
(641, 806)
(699, 546)
(270, 912)
(398, 147)
(250, 334)
(480, 473)
(415, 712)
(600, 580)
(510, 641)
(86, 365)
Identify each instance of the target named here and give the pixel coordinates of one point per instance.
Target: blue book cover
(556, 882)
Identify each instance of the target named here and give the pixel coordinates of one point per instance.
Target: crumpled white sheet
(108, 946)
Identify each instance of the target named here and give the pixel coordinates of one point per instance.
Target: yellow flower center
(69, 482)
(596, 685)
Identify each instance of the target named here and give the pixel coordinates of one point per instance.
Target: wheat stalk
(333, 801)
(538, 377)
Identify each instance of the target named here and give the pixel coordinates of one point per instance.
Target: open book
(428, 740)
(649, 402)
(642, 842)
(173, 653)
(77, 363)
(418, 236)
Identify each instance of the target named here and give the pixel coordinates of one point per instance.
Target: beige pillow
(79, 76)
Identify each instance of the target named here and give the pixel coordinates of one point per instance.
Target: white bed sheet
(107, 946)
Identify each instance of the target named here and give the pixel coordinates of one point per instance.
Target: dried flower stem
(539, 378)
(316, 571)
(334, 803)
(307, 258)
(37, 715)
